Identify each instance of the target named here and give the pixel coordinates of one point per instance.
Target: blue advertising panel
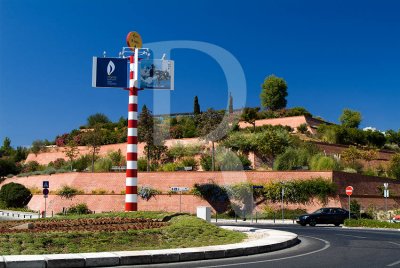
(110, 72)
(156, 74)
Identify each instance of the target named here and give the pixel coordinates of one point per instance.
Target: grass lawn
(371, 224)
(181, 231)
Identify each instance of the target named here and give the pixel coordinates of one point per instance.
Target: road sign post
(45, 195)
(180, 190)
(386, 195)
(349, 192)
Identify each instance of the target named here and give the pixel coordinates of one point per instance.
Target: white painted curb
(263, 240)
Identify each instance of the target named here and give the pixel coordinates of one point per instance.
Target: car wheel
(303, 224)
(337, 224)
(312, 222)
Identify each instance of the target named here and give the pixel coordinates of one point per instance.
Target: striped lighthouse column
(131, 152)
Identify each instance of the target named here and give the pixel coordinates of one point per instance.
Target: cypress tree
(196, 108)
(230, 103)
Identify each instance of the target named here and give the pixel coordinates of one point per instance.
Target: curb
(269, 240)
(372, 229)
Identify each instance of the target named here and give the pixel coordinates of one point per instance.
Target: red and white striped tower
(131, 152)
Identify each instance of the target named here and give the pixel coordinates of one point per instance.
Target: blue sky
(333, 55)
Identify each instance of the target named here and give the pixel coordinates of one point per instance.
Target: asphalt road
(319, 247)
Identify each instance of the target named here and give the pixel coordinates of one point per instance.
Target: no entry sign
(349, 190)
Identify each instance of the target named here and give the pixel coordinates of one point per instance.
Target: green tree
(6, 149)
(38, 146)
(274, 93)
(21, 153)
(394, 167)
(213, 128)
(196, 108)
(145, 131)
(93, 139)
(71, 151)
(250, 115)
(7, 166)
(14, 195)
(393, 137)
(350, 118)
(117, 158)
(96, 119)
(351, 155)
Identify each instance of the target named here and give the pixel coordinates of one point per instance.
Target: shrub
(322, 162)
(228, 160)
(142, 164)
(103, 165)
(394, 167)
(68, 192)
(31, 166)
(168, 167)
(300, 191)
(99, 191)
(58, 163)
(50, 171)
(146, 192)
(206, 162)
(179, 150)
(82, 162)
(117, 158)
(355, 207)
(14, 195)
(81, 208)
(292, 158)
(189, 162)
(303, 128)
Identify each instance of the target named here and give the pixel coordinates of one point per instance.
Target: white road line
(397, 262)
(363, 237)
(327, 245)
(393, 264)
(394, 243)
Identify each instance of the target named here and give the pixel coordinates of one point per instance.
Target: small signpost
(180, 190)
(386, 195)
(349, 192)
(46, 186)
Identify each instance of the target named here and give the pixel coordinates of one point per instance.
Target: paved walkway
(258, 241)
(250, 221)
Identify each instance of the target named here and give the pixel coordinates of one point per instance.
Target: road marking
(363, 237)
(327, 245)
(397, 262)
(394, 243)
(393, 264)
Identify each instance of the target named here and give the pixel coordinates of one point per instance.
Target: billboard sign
(156, 74)
(110, 72)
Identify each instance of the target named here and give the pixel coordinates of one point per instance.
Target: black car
(334, 216)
